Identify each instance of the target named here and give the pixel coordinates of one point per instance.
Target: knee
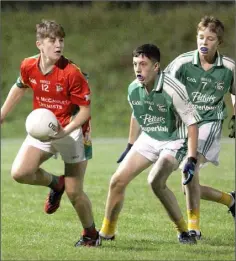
(76, 197)
(18, 175)
(117, 184)
(157, 182)
(159, 174)
(157, 185)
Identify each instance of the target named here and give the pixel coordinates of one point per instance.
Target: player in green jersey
(208, 77)
(159, 103)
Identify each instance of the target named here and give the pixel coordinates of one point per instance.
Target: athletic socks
(193, 219)
(181, 226)
(194, 215)
(226, 199)
(108, 228)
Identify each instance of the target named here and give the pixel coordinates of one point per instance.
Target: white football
(41, 123)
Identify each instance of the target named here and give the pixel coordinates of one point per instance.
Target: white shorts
(209, 141)
(152, 149)
(72, 147)
(209, 134)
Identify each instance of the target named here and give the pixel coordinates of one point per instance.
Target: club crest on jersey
(59, 88)
(161, 107)
(219, 85)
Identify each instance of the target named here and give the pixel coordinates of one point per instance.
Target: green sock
(54, 182)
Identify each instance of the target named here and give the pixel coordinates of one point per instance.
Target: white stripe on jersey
(174, 66)
(181, 102)
(131, 107)
(176, 85)
(130, 103)
(220, 112)
(230, 64)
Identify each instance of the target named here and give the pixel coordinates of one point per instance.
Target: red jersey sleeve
(79, 89)
(22, 81)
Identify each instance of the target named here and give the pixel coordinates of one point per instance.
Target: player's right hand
(129, 146)
(61, 133)
(189, 169)
(232, 127)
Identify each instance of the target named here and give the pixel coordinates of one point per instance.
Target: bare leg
(205, 192)
(25, 168)
(127, 171)
(74, 179)
(131, 166)
(211, 194)
(157, 179)
(192, 190)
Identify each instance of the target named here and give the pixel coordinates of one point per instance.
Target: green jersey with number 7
(206, 89)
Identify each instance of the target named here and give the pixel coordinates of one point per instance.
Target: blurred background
(100, 38)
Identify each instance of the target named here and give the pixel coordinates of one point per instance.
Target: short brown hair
(151, 51)
(214, 25)
(49, 28)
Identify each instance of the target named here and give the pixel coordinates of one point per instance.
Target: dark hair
(214, 25)
(151, 51)
(49, 28)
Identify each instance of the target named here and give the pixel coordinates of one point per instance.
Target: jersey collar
(159, 81)
(218, 61)
(55, 65)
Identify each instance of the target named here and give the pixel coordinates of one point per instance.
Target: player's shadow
(216, 242)
(154, 245)
(137, 244)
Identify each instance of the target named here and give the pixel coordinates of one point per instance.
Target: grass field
(144, 230)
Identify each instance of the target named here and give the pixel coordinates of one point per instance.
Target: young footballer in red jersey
(60, 86)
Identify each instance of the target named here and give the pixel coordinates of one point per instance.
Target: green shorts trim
(88, 151)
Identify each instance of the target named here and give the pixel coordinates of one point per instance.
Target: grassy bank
(100, 40)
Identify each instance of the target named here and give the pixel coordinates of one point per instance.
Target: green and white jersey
(161, 112)
(206, 89)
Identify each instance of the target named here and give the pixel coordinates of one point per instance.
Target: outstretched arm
(13, 98)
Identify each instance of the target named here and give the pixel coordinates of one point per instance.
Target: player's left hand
(129, 146)
(189, 169)
(231, 127)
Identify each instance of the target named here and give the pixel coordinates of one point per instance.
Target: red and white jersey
(63, 90)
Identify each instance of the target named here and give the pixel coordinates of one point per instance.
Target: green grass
(144, 230)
